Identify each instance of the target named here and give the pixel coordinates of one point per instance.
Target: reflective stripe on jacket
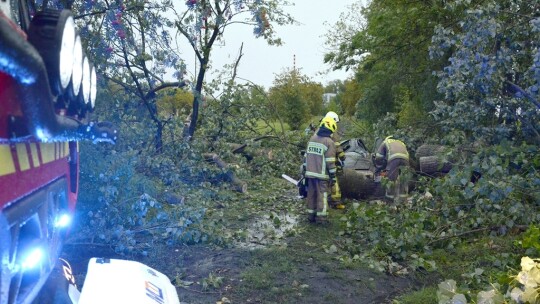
(392, 149)
(340, 153)
(320, 157)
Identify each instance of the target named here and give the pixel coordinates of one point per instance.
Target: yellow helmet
(329, 123)
(333, 115)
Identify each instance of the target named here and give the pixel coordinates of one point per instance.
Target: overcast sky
(261, 62)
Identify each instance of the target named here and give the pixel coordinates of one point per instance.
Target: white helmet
(333, 115)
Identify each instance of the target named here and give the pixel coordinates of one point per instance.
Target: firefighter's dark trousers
(317, 197)
(398, 189)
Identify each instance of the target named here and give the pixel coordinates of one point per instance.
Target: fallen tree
(249, 152)
(430, 150)
(434, 164)
(433, 159)
(238, 184)
(358, 184)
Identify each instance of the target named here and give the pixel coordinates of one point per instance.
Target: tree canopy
(491, 82)
(297, 97)
(131, 42)
(204, 22)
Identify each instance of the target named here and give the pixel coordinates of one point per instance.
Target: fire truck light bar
(86, 81)
(66, 52)
(76, 76)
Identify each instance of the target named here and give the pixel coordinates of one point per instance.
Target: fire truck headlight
(76, 76)
(93, 87)
(32, 258)
(66, 52)
(62, 221)
(86, 80)
(52, 33)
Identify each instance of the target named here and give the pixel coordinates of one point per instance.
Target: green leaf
(182, 283)
(331, 249)
(459, 299)
(447, 288)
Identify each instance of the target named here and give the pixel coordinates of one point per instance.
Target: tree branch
(527, 95)
(122, 84)
(178, 84)
(237, 62)
(103, 11)
(191, 42)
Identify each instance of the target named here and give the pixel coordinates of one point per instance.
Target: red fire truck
(47, 90)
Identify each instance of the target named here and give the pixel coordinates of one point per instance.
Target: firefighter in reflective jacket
(392, 155)
(320, 164)
(335, 197)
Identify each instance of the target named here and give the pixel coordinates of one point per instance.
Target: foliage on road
(464, 74)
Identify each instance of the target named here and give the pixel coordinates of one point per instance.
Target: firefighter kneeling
(392, 156)
(320, 166)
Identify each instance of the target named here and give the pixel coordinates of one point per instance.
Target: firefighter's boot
(335, 197)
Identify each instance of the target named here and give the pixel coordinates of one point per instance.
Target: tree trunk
(248, 152)
(357, 184)
(238, 184)
(197, 99)
(434, 164)
(429, 150)
(159, 136)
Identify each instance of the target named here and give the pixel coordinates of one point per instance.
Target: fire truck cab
(47, 92)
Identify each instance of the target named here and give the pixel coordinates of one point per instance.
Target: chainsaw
(302, 189)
